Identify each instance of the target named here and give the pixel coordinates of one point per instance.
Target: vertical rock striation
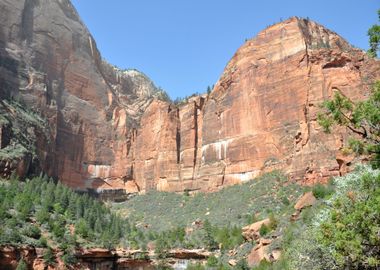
(107, 130)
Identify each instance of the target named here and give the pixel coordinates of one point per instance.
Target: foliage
(212, 261)
(353, 226)
(263, 265)
(374, 38)
(321, 191)
(39, 207)
(49, 257)
(163, 95)
(362, 118)
(241, 265)
(339, 231)
(169, 210)
(22, 265)
(264, 230)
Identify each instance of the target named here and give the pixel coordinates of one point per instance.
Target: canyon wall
(261, 115)
(108, 131)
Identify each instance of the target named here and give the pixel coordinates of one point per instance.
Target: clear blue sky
(184, 45)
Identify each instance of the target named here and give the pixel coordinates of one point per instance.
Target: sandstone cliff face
(108, 131)
(261, 114)
(50, 62)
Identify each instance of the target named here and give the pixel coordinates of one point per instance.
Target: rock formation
(97, 258)
(107, 130)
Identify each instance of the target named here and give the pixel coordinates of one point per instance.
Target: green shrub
(196, 266)
(322, 191)
(353, 226)
(22, 265)
(212, 261)
(264, 230)
(32, 231)
(48, 256)
(241, 265)
(69, 259)
(263, 265)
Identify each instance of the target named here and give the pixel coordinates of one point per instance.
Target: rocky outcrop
(252, 232)
(306, 200)
(109, 133)
(96, 258)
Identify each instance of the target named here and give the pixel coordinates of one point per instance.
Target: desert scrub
(351, 230)
(261, 196)
(341, 232)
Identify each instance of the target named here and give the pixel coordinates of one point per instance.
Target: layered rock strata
(108, 130)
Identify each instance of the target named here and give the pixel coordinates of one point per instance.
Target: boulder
(306, 200)
(259, 253)
(252, 232)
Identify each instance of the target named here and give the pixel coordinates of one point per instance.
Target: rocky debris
(344, 160)
(306, 200)
(259, 252)
(232, 262)
(108, 124)
(252, 232)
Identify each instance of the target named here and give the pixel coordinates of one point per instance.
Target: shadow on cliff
(9, 75)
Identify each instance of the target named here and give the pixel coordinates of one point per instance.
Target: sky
(184, 45)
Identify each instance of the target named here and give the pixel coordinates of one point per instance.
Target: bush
(48, 256)
(69, 259)
(353, 226)
(242, 265)
(22, 265)
(263, 265)
(264, 230)
(322, 191)
(32, 231)
(212, 261)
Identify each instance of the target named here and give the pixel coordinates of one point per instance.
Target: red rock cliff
(109, 131)
(260, 116)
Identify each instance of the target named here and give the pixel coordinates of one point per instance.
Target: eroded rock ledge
(96, 258)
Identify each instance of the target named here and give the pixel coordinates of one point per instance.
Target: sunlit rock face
(260, 116)
(108, 132)
(50, 62)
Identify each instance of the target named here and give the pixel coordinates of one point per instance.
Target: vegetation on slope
(42, 213)
(343, 231)
(236, 205)
(214, 220)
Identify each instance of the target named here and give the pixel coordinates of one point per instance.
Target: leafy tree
(362, 118)
(374, 38)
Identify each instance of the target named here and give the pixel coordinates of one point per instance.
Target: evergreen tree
(362, 118)
(374, 38)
